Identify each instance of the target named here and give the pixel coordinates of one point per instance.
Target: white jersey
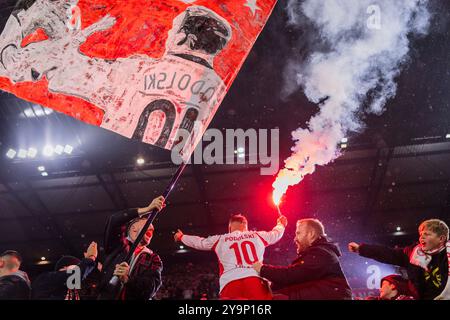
(236, 251)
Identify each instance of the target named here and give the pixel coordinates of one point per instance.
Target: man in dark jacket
(427, 263)
(54, 285)
(142, 278)
(14, 284)
(316, 274)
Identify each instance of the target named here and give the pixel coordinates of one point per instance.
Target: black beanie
(129, 224)
(400, 283)
(66, 261)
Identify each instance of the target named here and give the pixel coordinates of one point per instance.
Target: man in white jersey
(237, 251)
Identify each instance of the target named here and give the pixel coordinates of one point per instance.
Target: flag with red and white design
(151, 70)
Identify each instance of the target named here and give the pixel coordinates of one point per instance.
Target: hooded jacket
(15, 286)
(316, 274)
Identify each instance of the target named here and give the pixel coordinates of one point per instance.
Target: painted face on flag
(154, 71)
(21, 42)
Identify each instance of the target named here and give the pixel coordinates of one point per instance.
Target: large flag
(152, 70)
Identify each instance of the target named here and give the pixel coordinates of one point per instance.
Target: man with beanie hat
(54, 285)
(427, 262)
(14, 284)
(393, 287)
(141, 279)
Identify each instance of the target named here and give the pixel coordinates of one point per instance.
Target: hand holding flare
(276, 200)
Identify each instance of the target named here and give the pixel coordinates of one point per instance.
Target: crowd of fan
(198, 279)
(190, 281)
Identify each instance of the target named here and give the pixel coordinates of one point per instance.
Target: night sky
(420, 109)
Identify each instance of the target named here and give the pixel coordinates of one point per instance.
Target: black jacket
(419, 280)
(14, 287)
(145, 278)
(53, 285)
(316, 274)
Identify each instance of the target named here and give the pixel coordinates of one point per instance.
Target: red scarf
(423, 258)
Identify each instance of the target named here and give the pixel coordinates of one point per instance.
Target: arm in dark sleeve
(113, 227)
(311, 267)
(399, 257)
(145, 285)
(86, 266)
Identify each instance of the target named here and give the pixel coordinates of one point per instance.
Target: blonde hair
(315, 225)
(437, 226)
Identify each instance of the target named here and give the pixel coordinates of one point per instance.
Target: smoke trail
(359, 50)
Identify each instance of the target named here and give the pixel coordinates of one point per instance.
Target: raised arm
(399, 257)
(309, 269)
(196, 242)
(275, 234)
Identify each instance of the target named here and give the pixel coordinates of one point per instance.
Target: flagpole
(155, 212)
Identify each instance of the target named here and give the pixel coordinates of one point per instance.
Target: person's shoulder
(319, 249)
(7, 279)
(151, 259)
(325, 248)
(155, 258)
(11, 278)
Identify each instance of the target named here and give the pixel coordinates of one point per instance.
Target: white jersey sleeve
(271, 237)
(200, 243)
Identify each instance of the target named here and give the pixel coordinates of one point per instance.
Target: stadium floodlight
(48, 151)
(59, 149)
(32, 152)
(11, 153)
(68, 149)
(22, 153)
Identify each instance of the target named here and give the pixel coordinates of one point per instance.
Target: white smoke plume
(360, 48)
